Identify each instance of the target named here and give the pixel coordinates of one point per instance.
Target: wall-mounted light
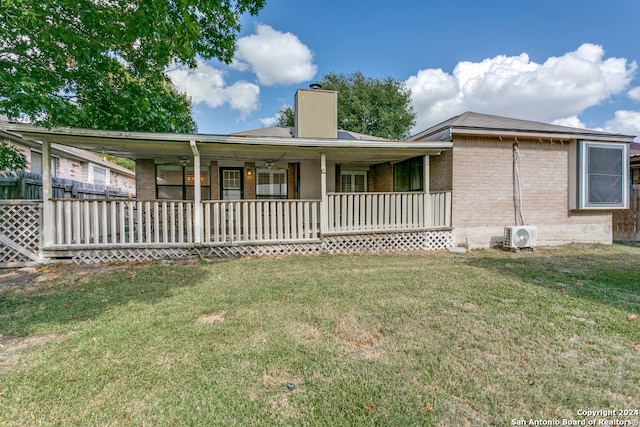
(249, 172)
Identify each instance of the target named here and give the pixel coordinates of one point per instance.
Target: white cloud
(635, 93)
(572, 121)
(243, 97)
(625, 122)
(277, 58)
(557, 90)
(206, 85)
(269, 121)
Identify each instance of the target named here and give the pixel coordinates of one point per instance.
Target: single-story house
(501, 171)
(313, 188)
(72, 163)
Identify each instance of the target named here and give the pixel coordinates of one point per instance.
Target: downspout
(197, 195)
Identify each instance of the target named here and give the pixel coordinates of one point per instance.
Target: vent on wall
(520, 237)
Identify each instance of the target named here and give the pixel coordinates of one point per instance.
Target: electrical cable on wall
(516, 158)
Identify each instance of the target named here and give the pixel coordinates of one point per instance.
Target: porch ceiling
(141, 145)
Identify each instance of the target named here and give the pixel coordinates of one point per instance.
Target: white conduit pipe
(516, 158)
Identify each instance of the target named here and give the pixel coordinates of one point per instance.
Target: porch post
(324, 208)
(428, 214)
(197, 194)
(48, 223)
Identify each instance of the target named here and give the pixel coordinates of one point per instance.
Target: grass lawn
(481, 338)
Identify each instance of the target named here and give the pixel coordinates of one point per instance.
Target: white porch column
(324, 203)
(197, 194)
(428, 214)
(48, 223)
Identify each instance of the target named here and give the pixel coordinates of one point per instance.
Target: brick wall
(145, 179)
(440, 170)
(215, 180)
(249, 180)
(485, 195)
(125, 182)
(380, 178)
(72, 169)
(292, 180)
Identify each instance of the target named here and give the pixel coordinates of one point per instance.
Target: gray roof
(470, 122)
(287, 132)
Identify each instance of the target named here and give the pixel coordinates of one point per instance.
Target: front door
(231, 183)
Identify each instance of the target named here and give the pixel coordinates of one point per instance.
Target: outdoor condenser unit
(519, 237)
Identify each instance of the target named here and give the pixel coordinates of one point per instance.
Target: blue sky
(570, 62)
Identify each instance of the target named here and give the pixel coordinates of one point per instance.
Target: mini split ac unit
(520, 237)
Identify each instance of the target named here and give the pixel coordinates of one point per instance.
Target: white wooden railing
(261, 220)
(85, 222)
(126, 222)
(122, 222)
(370, 212)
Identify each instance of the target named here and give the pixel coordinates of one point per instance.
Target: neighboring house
(570, 179)
(313, 188)
(72, 163)
(635, 163)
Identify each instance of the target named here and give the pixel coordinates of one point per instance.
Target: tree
(62, 58)
(123, 102)
(379, 107)
(286, 117)
(11, 159)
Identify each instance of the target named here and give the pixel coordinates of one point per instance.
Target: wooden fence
(626, 223)
(28, 186)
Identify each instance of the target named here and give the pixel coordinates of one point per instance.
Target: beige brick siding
(249, 180)
(380, 178)
(484, 192)
(146, 179)
(292, 180)
(440, 170)
(124, 182)
(215, 180)
(72, 169)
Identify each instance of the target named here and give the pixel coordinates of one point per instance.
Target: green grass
(473, 339)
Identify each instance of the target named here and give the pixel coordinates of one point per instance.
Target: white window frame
(581, 177)
(274, 190)
(54, 163)
(107, 174)
(352, 174)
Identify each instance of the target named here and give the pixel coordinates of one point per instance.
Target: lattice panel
(19, 234)
(387, 242)
(363, 243)
(260, 250)
(130, 255)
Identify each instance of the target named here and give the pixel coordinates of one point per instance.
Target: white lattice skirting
(344, 244)
(19, 234)
(130, 255)
(388, 242)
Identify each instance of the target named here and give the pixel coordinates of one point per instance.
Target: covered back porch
(315, 215)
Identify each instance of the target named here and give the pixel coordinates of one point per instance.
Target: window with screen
(602, 176)
(98, 175)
